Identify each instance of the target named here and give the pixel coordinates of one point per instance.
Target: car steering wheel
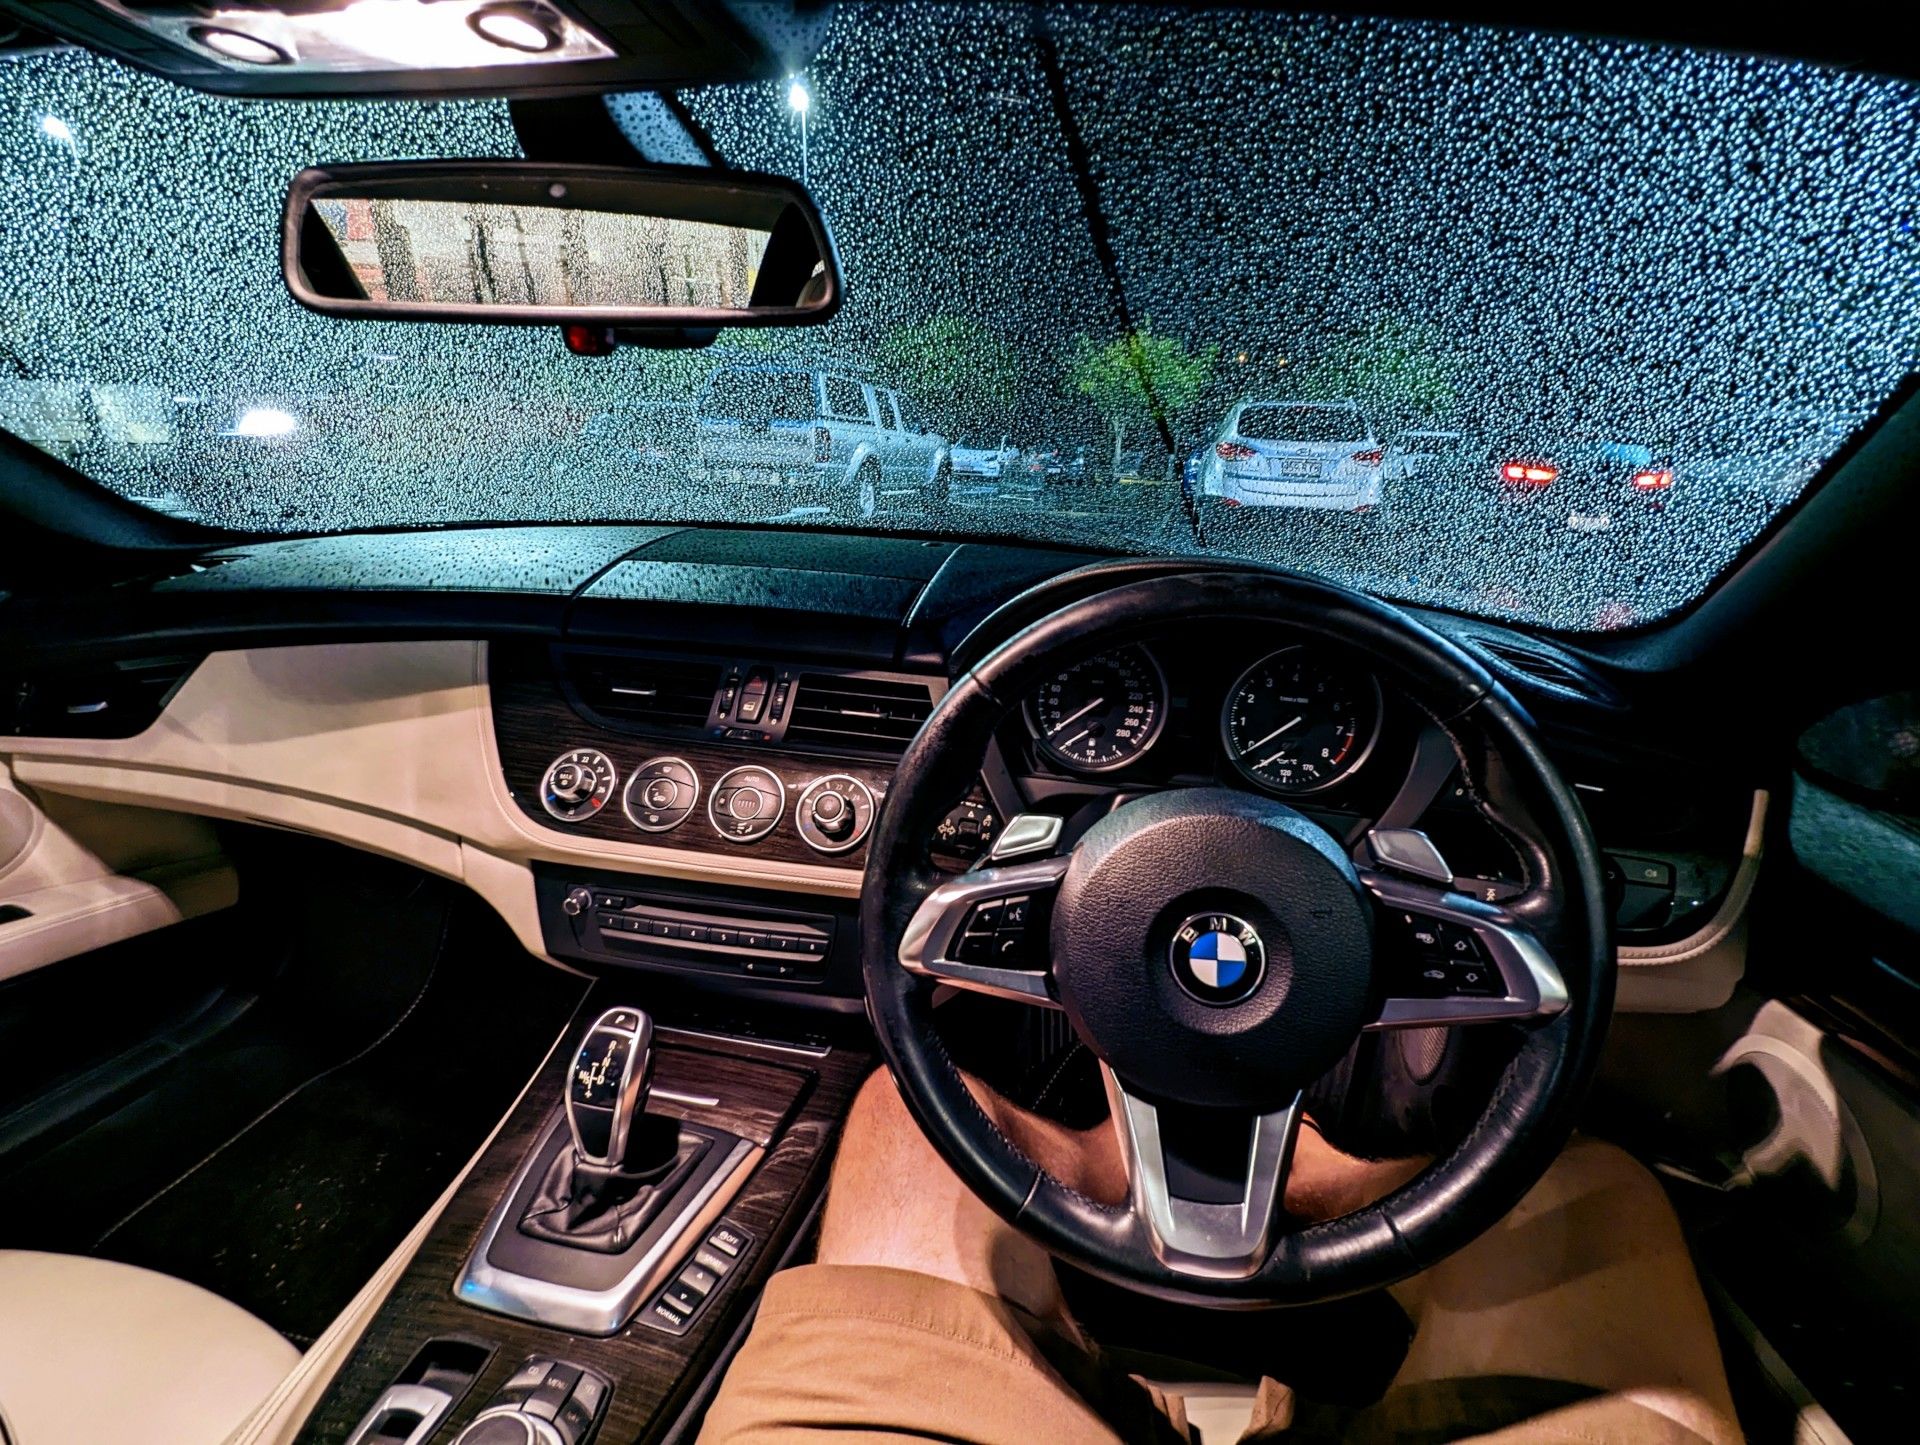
(1218, 951)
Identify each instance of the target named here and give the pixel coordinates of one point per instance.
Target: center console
(593, 1270)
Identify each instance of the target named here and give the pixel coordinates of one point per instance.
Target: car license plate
(1589, 521)
(1304, 467)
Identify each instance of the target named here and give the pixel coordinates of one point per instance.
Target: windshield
(1104, 234)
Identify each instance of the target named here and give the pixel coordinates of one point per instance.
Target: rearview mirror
(528, 243)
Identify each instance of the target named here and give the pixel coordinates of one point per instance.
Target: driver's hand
(1324, 1182)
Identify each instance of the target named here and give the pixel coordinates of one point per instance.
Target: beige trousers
(1577, 1318)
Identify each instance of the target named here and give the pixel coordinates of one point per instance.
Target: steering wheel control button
(834, 813)
(1218, 958)
(578, 785)
(746, 804)
(1439, 958)
(1001, 933)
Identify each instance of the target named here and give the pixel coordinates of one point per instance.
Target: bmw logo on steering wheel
(1218, 958)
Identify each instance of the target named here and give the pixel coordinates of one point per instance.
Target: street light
(800, 102)
(57, 131)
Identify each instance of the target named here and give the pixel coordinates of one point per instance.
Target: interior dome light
(517, 27)
(240, 46)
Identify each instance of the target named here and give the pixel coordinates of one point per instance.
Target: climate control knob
(834, 813)
(578, 785)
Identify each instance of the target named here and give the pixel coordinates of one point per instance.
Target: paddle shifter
(607, 1090)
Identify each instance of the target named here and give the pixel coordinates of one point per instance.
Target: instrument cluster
(1292, 718)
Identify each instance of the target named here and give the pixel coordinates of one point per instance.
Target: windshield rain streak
(1533, 326)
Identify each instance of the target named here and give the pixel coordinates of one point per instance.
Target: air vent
(648, 691)
(858, 712)
(1541, 668)
(113, 701)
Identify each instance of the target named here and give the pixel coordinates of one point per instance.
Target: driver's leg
(1588, 1280)
(925, 1315)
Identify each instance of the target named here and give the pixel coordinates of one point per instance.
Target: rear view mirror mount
(645, 254)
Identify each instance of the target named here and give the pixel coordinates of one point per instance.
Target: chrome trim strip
(937, 922)
(1535, 988)
(674, 1096)
(772, 1046)
(1208, 1241)
(588, 1312)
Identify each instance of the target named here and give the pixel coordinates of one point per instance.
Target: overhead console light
(517, 27)
(360, 36)
(441, 49)
(240, 46)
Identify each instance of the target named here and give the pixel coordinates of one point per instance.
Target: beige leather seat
(97, 1353)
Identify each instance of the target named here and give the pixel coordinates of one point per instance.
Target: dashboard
(664, 749)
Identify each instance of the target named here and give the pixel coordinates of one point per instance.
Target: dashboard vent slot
(657, 692)
(117, 700)
(1542, 669)
(860, 712)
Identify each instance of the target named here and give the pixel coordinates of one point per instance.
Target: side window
(908, 414)
(847, 399)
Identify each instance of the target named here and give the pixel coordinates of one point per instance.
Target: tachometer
(1100, 714)
(1296, 723)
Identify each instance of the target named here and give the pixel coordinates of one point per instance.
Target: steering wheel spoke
(986, 931)
(1229, 1233)
(1451, 959)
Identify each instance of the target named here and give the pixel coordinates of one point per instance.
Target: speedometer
(1296, 723)
(1100, 714)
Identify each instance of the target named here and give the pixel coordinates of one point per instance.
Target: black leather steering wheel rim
(1532, 1107)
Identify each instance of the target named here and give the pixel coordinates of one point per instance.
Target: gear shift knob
(607, 1090)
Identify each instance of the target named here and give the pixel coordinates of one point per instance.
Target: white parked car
(819, 437)
(973, 457)
(1316, 454)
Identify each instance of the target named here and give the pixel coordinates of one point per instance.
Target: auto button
(746, 804)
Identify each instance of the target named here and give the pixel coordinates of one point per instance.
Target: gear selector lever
(607, 1090)
(620, 1165)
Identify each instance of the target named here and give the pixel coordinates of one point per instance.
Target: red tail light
(1234, 452)
(822, 444)
(1530, 474)
(1231, 502)
(1654, 480)
(1372, 458)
